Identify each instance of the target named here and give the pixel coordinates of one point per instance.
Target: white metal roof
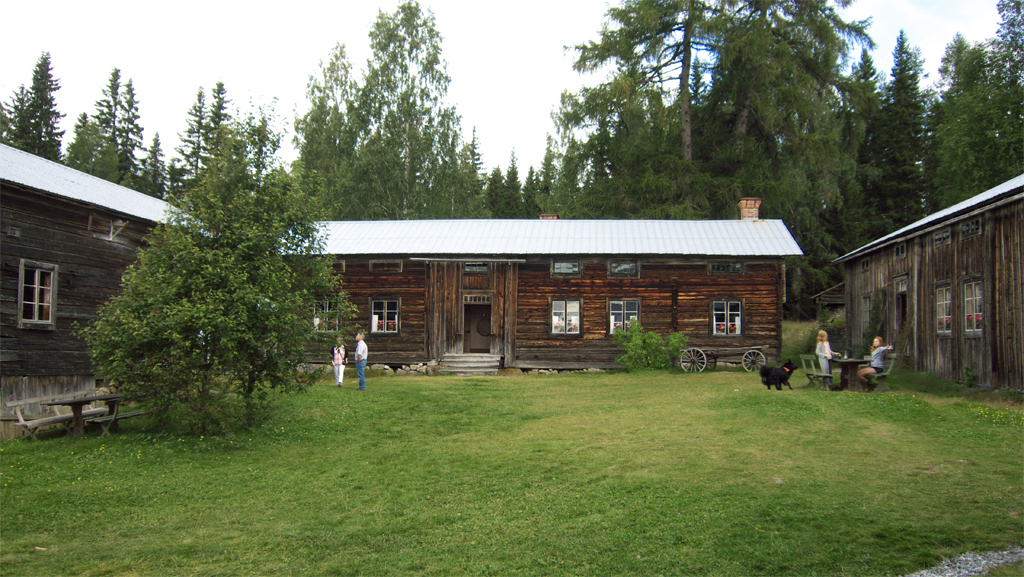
(964, 207)
(29, 170)
(440, 238)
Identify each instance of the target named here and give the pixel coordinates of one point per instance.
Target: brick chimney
(749, 208)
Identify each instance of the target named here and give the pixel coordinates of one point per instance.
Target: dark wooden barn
(948, 290)
(548, 293)
(65, 239)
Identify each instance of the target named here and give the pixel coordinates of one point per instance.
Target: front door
(477, 329)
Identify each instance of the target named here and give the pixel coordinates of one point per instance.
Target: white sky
(506, 59)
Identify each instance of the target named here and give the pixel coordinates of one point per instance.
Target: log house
(547, 294)
(65, 240)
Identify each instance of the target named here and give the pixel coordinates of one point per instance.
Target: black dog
(777, 376)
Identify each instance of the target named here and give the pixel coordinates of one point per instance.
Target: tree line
(705, 103)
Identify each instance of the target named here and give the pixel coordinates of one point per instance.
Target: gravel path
(973, 563)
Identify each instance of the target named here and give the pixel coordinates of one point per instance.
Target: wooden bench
(33, 424)
(812, 368)
(890, 362)
(110, 420)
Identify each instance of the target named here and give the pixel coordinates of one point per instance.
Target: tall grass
(659, 473)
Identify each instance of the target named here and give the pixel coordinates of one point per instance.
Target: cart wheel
(753, 360)
(693, 360)
(712, 361)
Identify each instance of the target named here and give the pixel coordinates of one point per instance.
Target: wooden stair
(469, 365)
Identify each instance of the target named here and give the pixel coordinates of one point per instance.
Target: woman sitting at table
(878, 350)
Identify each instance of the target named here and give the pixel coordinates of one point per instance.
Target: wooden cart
(696, 360)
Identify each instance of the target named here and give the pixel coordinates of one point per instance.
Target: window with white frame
(726, 317)
(972, 308)
(944, 310)
(384, 316)
(565, 316)
(37, 294)
(621, 314)
(326, 317)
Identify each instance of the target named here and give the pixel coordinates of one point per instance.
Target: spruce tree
(153, 175)
(128, 135)
(191, 148)
(30, 121)
(44, 116)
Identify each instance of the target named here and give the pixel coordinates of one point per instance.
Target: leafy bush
(643, 350)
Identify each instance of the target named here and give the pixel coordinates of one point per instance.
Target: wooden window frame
(398, 316)
(625, 320)
(865, 264)
(374, 264)
(40, 302)
(577, 274)
(900, 250)
(727, 310)
(970, 228)
(614, 262)
(972, 291)
(725, 268)
(486, 268)
(579, 323)
(941, 237)
(944, 309)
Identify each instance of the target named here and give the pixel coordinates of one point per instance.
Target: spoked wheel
(753, 360)
(693, 360)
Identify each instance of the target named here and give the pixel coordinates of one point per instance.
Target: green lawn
(608, 474)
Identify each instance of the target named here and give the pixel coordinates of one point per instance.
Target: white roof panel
(496, 237)
(52, 177)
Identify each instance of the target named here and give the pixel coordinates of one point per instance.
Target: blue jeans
(360, 367)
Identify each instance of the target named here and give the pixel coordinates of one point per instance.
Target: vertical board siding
(994, 257)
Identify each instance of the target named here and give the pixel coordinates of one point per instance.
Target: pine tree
(496, 194)
(44, 115)
(897, 148)
(128, 135)
(30, 121)
(512, 200)
(18, 122)
(217, 120)
(90, 151)
(153, 175)
(191, 148)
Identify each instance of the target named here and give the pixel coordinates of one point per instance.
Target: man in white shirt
(361, 361)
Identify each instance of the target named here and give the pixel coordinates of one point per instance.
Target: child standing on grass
(825, 355)
(338, 360)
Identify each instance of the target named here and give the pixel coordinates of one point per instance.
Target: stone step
(469, 365)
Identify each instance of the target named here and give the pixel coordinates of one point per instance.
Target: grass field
(609, 474)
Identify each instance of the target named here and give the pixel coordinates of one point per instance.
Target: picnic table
(848, 373)
(76, 405)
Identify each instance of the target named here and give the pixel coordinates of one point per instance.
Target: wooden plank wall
(996, 357)
(55, 231)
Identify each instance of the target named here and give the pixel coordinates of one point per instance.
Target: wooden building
(948, 289)
(548, 293)
(65, 239)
